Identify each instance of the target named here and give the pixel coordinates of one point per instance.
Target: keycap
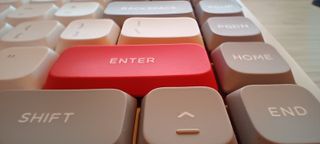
(73, 117)
(101, 2)
(78, 10)
(120, 11)
(5, 9)
(275, 114)
(58, 3)
(243, 63)
(25, 67)
(160, 31)
(32, 12)
(15, 3)
(89, 32)
(217, 8)
(135, 69)
(218, 30)
(184, 115)
(33, 33)
(4, 28)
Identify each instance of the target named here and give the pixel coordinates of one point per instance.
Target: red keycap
(133, 69)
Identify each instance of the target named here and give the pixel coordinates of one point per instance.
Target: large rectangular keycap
(135, 69)
(66, 117)
(120, 11)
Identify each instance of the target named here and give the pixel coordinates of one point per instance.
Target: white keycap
(78, 10)
(32, 12)
(5, 9)
(160, 31)
(15, 3)
(36, 33)
(25, 67)
(56, 2)
(4, 28)
(89, 32)
(101, 2)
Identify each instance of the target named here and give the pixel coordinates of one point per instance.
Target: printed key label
(252, 57)
(233, 26)
(132, 60)
(29, 117)
(292, 111)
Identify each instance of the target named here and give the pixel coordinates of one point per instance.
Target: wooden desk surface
(296, 25)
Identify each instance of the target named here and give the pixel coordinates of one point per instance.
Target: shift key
(66, 117)
(135, 69)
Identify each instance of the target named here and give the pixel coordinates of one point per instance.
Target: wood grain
(296, 25)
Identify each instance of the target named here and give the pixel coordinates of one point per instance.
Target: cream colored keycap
(101, 2)
(25, 67)
(78, 10)
(217, 8)
(35, 33)
(15, 3)
(56, 2)
(32, 12)
(160, 31)
(89, 32)
(4, 28)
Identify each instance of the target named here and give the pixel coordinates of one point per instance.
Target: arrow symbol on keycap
(186, 114)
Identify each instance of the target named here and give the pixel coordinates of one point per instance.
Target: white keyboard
(148, 72)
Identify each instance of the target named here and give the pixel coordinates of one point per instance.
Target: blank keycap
(101, 2)
(34, 33)
(25, 67)
(5, 9)
(89, 32)
(120, 11)
(218, 30)
(275, 114)
(217, 8)
(4, 28)
(15, 3)
(66, 117)
(32, 12)
(189, 115)
(242, 63)
(160, 31)
(78, 10)
(58, 3)
(135, 69)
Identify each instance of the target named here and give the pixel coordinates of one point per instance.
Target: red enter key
(135, 69)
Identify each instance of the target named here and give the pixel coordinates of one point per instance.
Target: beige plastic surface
(78, 10)
(25, 67)
(33, 33)
(89, 32)
(32, 12)
(160, 31)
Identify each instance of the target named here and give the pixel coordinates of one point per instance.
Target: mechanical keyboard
(148, 72)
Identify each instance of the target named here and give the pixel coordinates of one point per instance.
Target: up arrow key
(186, 114)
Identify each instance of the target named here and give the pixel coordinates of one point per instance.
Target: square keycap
(243, 63)
(275, 114)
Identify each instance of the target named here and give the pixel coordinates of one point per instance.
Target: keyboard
(148, 72)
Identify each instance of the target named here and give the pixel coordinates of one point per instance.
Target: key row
(117, 10)
(134, 31)
(236, 64)
(258, 113)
